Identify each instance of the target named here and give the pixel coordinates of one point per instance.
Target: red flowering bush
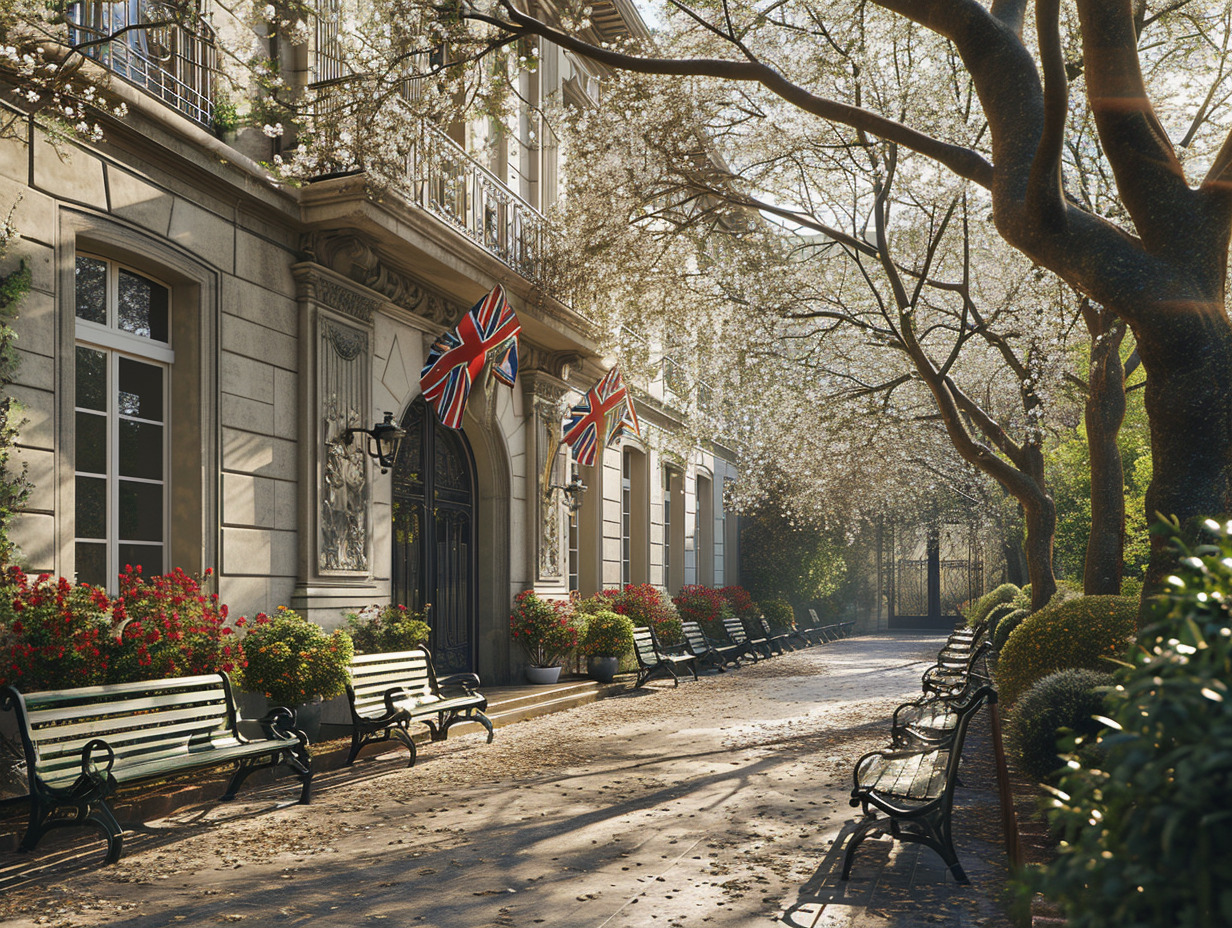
(546, 630)
(741, 602)
(167, 626)
(648, 607)
(52, 634)
(706, 606)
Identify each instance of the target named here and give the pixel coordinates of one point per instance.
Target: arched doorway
(434, 550)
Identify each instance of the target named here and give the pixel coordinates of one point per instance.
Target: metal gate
(933, 570)
(434, 556)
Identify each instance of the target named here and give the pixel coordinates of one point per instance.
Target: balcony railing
(447, 182)
(170, 61)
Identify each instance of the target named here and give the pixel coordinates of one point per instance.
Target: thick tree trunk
(1105, 411)
(1015, 557)
(1188, 362)
(1040, 515)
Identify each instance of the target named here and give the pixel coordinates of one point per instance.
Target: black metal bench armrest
(468, 681)
(279, 723)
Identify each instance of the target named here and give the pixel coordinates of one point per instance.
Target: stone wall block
(34, 534)
(259, 260)
(283, 554)
(138, 201)
(40, 467)
(250, 340)
(38, 412)
(286, 404)
(255, 303)
(246, 377)
(247, 551)
(36, 371)
(203, 233)
(248, 500)
(263, 455)
(243, 413)
(286, 505)
(69, 172)
(34, 214)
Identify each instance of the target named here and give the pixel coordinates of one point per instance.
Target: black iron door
(434, 561)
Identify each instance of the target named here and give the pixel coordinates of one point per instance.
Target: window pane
(91, 374)
(141, 390)
(141, 450)
(148, 557)
(91, 441)
(143, 307)
(141, 511)
(91, 289)
(91, 507)
(92, 563)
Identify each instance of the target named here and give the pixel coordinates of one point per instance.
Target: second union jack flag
(456, 359)
(607, 410)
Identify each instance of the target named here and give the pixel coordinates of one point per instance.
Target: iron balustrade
(167, 60)
(447, 182)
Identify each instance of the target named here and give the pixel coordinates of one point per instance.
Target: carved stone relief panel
(544, 395)
(343, 386)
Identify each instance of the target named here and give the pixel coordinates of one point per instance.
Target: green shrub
(1132, 587)
(998, 613)
(1068, 699)
(1084, 632)
(779, 614)
(704, 605)
(1005, 626)
(608, 634)
(978, 611)
(378, 629)
(52, 634)
(1145, 836)
(546, 629)
(1022, 599)
(648, 607)
(293, 661)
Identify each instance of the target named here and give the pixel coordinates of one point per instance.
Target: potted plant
(296, 665)
(380, 629)
(608, 638)
(547, 631)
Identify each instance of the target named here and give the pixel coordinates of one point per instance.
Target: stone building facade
(199, 337)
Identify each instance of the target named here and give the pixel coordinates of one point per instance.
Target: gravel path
(718, 804)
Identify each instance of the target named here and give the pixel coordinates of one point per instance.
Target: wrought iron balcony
(166, 59)
(447, 182)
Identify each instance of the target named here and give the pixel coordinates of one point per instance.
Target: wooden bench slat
(123, 727)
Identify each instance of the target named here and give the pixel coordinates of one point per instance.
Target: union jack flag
(606, 408)
(456, 359)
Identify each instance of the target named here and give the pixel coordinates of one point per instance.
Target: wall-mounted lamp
(383, 441)
(573, 491)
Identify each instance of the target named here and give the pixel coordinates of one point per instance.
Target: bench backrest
(645, 647)
(965, 711)
(373, 675)
(142, 722)
(735, 630)
(695, 638)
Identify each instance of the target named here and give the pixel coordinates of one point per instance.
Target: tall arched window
(122, 359)
(705, 530)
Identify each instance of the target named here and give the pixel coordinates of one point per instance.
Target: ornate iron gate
(434, 559)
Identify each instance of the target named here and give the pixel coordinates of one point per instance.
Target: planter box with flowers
(547, 632)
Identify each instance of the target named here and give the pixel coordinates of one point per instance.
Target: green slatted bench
(389, 691)
(652, 659)
(740, 638)
(82, 744)
(910, 793)
(707, 651)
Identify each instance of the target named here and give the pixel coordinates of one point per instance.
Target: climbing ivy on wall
(14, 484)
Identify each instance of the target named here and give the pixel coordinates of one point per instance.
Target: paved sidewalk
(715, 804)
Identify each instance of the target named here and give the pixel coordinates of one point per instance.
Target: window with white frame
(626, 519)
(122, 359)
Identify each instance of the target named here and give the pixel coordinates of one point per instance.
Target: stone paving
(720, 803)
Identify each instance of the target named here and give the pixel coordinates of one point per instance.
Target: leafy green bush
(293, 661)
(1132, 587)
(978, 611)
(1084, 632)
(608, 634)
(1068, 699)
(998, 613)
(1145, 836)
(779, 614)
(378, 629)
(1022, 599)
(1005, 627)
